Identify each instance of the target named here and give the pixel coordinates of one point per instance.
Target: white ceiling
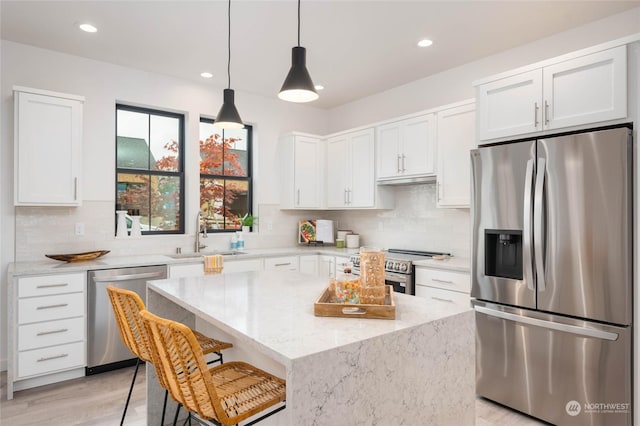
(354, 48)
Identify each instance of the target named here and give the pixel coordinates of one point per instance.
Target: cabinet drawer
(50, 308)
(289, 263)
(50, 284)
(447, 280)
(33, 336)
(457, 298)
(48, 360)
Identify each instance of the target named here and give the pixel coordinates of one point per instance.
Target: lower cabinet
(285, 263)
(309, 264)
(47, 330)
(197, 269)
(443, 285)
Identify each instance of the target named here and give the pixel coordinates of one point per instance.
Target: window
(225, 176)
(149, 168)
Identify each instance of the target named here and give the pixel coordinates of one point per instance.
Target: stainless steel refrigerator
(552, 276)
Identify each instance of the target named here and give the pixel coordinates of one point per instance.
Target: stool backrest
(126, 306)
(175, 349)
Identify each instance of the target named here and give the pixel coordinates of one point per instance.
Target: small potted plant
(247, 222)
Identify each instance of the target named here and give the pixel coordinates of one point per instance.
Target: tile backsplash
(415, 223)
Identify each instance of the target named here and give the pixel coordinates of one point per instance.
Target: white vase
(121, 227)
(135, 227)
(246, 229)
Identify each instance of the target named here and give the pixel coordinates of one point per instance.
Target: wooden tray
(326, 306)
(78, 257)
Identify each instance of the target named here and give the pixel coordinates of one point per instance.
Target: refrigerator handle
(538, 209)
(573, 329)
(526, 237)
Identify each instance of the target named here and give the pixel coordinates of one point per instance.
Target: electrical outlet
(80, 228)
(269, 225)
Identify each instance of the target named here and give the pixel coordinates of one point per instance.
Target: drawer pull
(441, 299)
(59, 305)
(43, 333)
(52, 285)
(49, 358)
(442, 281)
(282, 264)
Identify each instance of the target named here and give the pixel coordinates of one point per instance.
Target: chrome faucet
(200, 228)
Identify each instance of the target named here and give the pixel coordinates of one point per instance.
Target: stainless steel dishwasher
(105, 350)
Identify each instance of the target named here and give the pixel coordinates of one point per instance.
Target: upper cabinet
(301, 164)
(351, 180)
(582, 90)
(48, 148)
(456, 138)
(407, 148)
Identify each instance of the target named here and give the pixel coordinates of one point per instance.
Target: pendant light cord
(298, 23)
(229, 47)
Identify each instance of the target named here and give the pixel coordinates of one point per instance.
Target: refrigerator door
(564, 371)
(582, 225)
(502, 196)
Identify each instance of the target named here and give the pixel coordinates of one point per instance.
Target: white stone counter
(460, 264)
(416, 369)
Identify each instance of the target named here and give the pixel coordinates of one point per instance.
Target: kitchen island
(415, 370)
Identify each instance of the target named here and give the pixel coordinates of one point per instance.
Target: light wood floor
(98, 401)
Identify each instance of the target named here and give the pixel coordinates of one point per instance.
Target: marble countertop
(274, 310)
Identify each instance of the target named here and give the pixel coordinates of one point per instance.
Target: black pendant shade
(228, 117)
(298, 86)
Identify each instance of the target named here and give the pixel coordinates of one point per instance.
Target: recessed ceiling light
(319, 87)
(206, 74)
(425, 43)
(88, 28)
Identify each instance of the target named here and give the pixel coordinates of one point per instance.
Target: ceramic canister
(353, 240)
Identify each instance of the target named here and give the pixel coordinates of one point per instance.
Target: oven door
(402, 283)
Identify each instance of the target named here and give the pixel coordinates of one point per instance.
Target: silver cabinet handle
(442, 281)
(399, 158)
(298, 197)
(52, 285)
(527, 228)
(59, 305)
(282, 264)
(403, 168)
(348, 196)
(128, 277)
(546, 112)
(75, 188)
(537, 224)
(49, 358)
(573, 329)
(441, 299)
(345, 196)
(44, 333)
(535, 114)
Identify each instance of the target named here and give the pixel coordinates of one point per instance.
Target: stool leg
(133, 381)
(164, 407)
(175, 418)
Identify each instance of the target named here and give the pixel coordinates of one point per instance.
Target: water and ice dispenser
(503, 253)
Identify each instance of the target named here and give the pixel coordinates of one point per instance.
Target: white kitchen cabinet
(283, 263)
(583, 90)
(309, 264)
(351, 182)
(443, 285)
(47, 330)
(407, 148)
(301, 163)
(456, 138)
(326, 266)
(197, 269)
(47, 148)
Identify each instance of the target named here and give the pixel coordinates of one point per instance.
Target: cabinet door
(190, 270)
(307, 173)
(388, 150)
(456, 138)
(309, 265)
(361, 192)
(418, 156)
(337, 172)
(243, 266)
(326, 266)
(453, 297)
(288, 263)
(585, 90)
(48, 133)
(510, 106)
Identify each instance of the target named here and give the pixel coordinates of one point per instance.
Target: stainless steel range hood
(410, 180)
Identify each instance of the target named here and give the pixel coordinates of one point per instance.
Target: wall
(29, 233)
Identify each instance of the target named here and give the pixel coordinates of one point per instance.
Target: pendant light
(228, 117)
(298, 87)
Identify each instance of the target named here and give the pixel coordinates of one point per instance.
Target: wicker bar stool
(225, 394)
(126, 306)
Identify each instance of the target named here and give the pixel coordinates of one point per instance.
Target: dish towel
(213, 264)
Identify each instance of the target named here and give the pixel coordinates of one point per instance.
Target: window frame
(148, 172)
(248, 178)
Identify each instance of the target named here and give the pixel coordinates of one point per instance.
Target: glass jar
(347, 286)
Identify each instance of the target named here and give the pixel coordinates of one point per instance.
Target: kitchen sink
(196, 255)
